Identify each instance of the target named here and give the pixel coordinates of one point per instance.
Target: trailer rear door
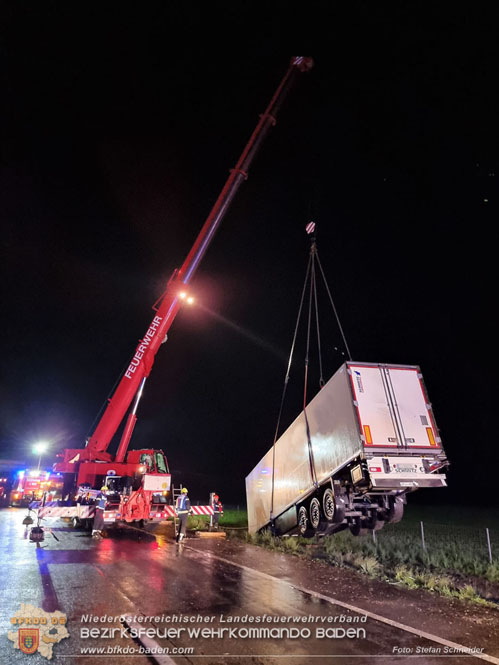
(376, 419)
(413, 410)
(392, 407)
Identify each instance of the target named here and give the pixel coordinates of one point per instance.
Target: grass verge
(444, 571)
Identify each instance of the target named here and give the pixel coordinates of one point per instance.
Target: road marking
(358, 610)
(152, 645)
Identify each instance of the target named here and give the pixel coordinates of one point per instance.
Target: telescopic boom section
(140, 366)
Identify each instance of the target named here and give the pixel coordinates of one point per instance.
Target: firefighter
(217, 510)
(183, 508)
(99, 514)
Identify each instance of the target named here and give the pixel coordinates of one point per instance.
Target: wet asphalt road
(211, 583)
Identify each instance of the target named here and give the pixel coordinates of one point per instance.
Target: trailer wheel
(371, 520)
(314, 511)
(328, 505)
(75, 523)
(357, 527)
(396, 510)
(333, 506)
(304, 523)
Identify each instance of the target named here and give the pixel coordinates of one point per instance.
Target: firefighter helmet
(216, 497)
(183, 490)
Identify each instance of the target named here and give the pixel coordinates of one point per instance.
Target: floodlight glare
(40, 447)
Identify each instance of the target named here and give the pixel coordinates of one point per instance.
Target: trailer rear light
(375, 469)
(431, 438)
(367, 432)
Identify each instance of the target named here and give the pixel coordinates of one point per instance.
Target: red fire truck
(32, 484)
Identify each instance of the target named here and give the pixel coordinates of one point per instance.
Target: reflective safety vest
(183, 504)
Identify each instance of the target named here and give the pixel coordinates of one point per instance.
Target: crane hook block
(304, 63)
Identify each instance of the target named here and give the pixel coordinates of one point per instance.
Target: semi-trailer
(366, 440)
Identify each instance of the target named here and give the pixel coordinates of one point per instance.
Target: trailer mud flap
(287, 521)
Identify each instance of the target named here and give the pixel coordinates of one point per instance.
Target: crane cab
(148, 461)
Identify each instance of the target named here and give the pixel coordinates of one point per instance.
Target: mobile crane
(140, 478)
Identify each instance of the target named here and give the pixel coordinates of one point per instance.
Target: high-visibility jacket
(217, 507)
(183, 504)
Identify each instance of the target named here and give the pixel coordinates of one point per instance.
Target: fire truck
(4, 491)
(33, 484)
(139, 480)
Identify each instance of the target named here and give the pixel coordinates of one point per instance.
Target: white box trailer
(363, 442)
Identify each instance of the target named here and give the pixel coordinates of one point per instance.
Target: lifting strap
(312, 304)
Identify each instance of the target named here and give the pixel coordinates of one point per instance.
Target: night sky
(119, 126)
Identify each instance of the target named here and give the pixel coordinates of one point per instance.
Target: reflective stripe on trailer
(431, 438)
(369, 438)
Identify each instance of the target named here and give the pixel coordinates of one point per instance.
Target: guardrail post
(423, 544)
(488, 544)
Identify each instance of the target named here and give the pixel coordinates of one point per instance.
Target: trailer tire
(304, 523)
(76, 523)
(396, 510)
(333, 506)
(357, 527)
(371, 520)
(329, 505)
(314, 512)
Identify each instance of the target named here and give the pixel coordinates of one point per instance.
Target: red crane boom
(131, 384)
